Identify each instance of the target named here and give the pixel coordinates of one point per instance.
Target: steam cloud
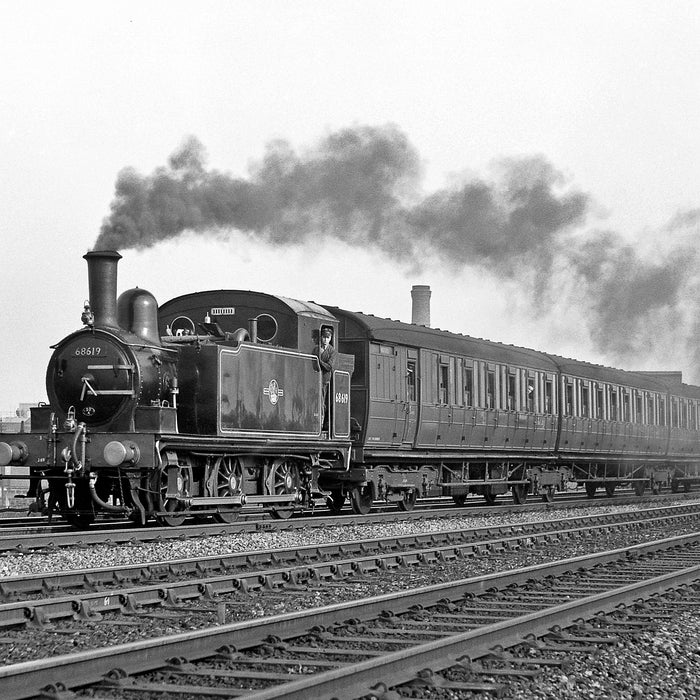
(362, 186)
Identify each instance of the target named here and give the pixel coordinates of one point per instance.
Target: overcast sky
(573, 128)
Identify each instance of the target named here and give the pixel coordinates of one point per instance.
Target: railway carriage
(447, 414)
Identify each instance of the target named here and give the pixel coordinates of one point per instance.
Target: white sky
(607, 91)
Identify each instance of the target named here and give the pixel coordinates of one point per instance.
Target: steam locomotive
(215, 400)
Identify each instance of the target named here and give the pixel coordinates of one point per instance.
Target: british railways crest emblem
(273, 391)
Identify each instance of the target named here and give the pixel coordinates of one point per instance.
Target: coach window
(626, 406)
(674, 412)
(530, 395)
(585, 400)
(599, 402)
(651, 413)
(490, 389)
(662, 410)
(443, 382)
(468, 385)
(639, 407)
(692, 415)
(510, 391)
(614, 413)
(411, 380)
(568, 399)
(549, 397)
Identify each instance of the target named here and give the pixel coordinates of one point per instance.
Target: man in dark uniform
(328, 359)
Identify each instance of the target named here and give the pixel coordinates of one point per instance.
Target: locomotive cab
(249, 366)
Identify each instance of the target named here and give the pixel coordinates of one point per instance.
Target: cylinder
(102, 283)
(420, 293)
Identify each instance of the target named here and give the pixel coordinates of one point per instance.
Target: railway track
(42, 598)
(450, 632)
(41, 534)
(215, 590)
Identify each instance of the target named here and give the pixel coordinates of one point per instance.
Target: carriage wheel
(489, 496)
(228, 482)
(519, 493)
(175, 511)
(336, 501)
(639, 487)
(591, 487)
(408, 500)
(361, 500)
(548, 494)
(460, 499)
(284, 480)
(610, 489)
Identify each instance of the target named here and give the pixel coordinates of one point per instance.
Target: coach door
(408, 368)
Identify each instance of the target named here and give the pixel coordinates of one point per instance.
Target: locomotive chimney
(102, 283)
(420, 293)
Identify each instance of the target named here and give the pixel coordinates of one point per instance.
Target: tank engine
(197, 422)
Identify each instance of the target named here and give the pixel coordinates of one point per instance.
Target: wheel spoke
(285, 481)
(228, 481)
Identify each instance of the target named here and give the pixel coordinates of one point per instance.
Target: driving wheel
(284, 480)
(228, 482)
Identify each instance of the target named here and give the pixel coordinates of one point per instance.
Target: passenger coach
(442, 413)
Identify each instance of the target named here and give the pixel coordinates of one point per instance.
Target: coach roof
(357, 325)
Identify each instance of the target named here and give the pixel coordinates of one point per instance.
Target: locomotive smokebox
(102, 282)
(420, 293)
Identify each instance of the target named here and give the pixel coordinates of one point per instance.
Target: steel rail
(26, 679)
(128, 600)
(365, 678)
(101, 532)
(301, 564)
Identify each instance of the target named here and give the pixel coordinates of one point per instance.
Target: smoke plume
(625, 292)
(362, 185)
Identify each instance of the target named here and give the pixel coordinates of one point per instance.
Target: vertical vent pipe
(102, 284)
